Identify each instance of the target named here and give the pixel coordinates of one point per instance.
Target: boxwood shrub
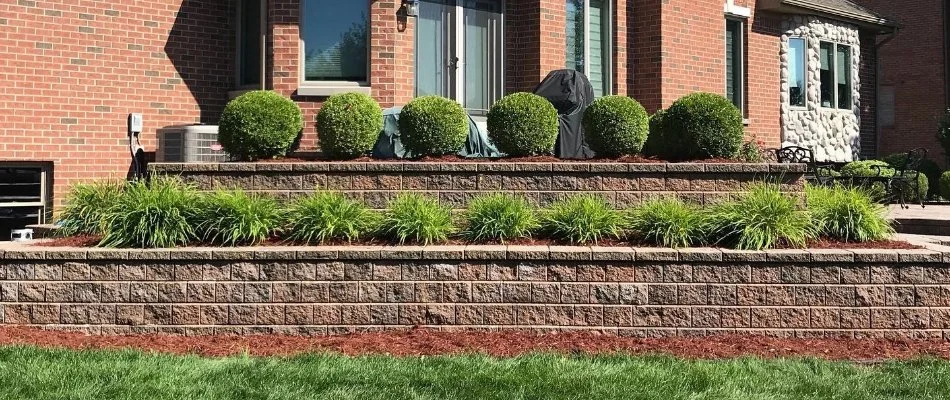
(927, 167)
(433, 125)
(654, 142)
(259, 124)
(700, 126)
(616, 126)
(348, 125)
(945, 185)
(867, 168)
(523, 124)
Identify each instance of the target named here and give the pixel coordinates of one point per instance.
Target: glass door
(459, 51)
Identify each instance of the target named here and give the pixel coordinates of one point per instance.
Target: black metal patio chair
(816, 173)
(905, 183)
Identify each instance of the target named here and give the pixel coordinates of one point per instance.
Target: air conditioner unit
(189, 143)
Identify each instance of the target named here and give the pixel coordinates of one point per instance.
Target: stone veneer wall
(834, 134)
(454, 183)
(625, 291)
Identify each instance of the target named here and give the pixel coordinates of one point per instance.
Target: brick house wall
(72, 71)
(913, 65)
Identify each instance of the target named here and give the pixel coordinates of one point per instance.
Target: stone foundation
(625, 291)
(455, 183)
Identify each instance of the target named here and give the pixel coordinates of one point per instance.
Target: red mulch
(877, 245)
(502, 344)
(638, 159)
(92, 240)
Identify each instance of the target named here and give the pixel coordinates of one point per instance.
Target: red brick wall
(71, 71)
(646, 75)
(763, 80)
(913, 62)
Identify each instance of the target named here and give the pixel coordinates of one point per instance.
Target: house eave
(877, 24)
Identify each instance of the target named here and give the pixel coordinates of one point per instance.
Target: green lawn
(30, 373)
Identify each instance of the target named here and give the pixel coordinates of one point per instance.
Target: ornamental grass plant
(499, 217)
(157, 213)
(848, 214)
(582, 219)
(763, 218)
(235, 217)
(414, 218)
(669, 223)
(85, 208)
(324, 217)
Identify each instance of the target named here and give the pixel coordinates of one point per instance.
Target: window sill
(329, 90)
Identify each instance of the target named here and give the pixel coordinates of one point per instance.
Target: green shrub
(700, 126)
(499, 217)
(433, 125)
(348, 125)
(847, 214)
(85, 207)
(616, 126)
(259, 124)
(582, 219)
(234, 217)
(154, 214)
(763, 218)
(927, 167)
(523, 124)
(655, 140)
(412, 217)
(867, 169)
(945, 185)
(328, 216)
(669, 223)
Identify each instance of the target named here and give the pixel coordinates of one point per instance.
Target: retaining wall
(625, 291)
(454, 183)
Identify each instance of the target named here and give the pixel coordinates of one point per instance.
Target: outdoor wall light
(412, 7)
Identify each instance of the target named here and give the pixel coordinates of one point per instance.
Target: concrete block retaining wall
(625, 291)
(454, 183)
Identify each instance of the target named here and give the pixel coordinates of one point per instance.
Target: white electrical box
(135, 123)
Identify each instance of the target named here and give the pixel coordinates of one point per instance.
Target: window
(589, 41)
(827, 74)
(844, 76)
(335, 36)
(796, 72)
(835, 76)
(250, 43)
(25, 195)
(735, 62)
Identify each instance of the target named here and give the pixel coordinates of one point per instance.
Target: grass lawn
(31, 373)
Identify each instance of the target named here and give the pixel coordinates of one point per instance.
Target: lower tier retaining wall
(636, 292)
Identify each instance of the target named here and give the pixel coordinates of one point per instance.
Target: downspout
(877, 88)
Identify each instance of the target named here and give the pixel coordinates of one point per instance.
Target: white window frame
(743, 37)
(609, 59)
(239, 34)
(835, 77)
(329, 88)
(804, 66)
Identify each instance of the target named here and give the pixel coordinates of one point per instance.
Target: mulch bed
(419, 342)
(639, 159)
(93, 240)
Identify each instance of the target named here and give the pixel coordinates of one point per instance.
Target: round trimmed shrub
(616, 126)
(259, 124)
(523, 124)
(945, 185)
(927, 167)
(867, 168)
(433, 126)
(700, 126)
(654, 143)
(348, 125)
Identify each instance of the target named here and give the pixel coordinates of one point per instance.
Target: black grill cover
(570, 92)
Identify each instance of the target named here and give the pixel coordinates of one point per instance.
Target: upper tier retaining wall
(626, 291)
(454, 183)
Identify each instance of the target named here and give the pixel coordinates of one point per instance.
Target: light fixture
(412, 7)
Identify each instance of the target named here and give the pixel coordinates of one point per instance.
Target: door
(459, 52)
